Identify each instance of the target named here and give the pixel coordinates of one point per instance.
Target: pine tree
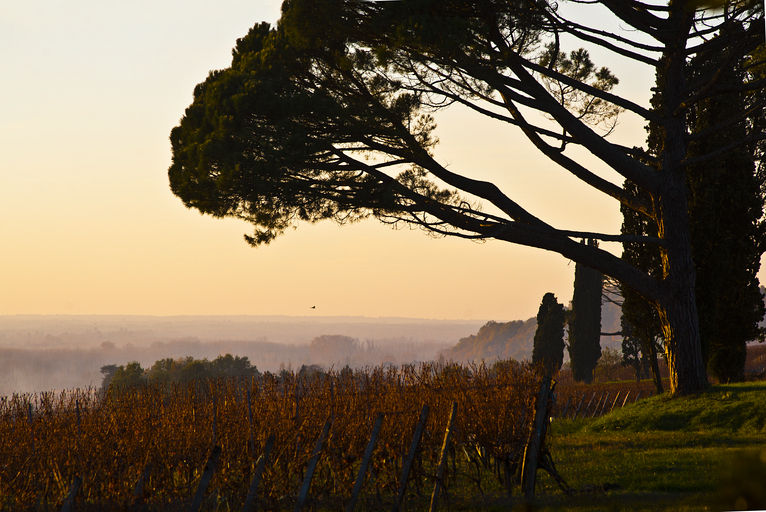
(329, 115)
(585, 321)
(548, 349)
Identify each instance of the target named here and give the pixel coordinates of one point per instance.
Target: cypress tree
(726, 207)
(585, 321)
(548, 349)
(725, 203)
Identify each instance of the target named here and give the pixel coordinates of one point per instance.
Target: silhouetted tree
(327, 116)
(726, 195)
(631, 355)
(548, 349)
(726, 208)
(181, 370)
(128, 376)
(107, 372)
(585, 321)
(640, 321)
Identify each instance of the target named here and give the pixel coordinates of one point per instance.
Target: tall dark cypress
(726, 197)
(726, 207)
(548, 349)
(585, 321)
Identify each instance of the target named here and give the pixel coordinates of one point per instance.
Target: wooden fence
(585, 401)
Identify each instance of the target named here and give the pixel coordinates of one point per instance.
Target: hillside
(496, 340)
(703, 452)
(514, 339)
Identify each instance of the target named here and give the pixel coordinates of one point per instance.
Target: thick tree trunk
(677, 305)
(683, 350)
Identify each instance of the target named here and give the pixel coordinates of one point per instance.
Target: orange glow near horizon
(89, 225)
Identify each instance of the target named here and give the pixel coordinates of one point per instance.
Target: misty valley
(43, 353)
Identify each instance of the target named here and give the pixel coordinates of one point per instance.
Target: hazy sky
(89, 93)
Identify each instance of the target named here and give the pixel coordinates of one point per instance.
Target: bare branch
(573, 167)
(611, 98)
(629, 168)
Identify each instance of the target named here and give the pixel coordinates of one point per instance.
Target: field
(697, 453)
(150, 445)
(148, 448)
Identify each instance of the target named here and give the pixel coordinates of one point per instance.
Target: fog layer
(40, 353)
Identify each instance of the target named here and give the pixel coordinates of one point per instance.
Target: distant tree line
(172, 371)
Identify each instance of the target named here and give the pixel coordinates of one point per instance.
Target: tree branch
(627, 167)
(606, 96)
(574, 167)
(638, 16)
(524, 234)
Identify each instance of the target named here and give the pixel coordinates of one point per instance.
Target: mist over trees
(177, 371)
(41, 353)
(496, 341)
(328, 116)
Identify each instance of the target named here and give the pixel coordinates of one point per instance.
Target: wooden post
(138, 490)
(626, 399)
(410, 458)
(215, 418)
(304, 493)
(566, 408)
(365, 462)
(532, 449)
(249, 505)
(579, 406)
(598, 404)
(587, 407)
(250, 419)
(637, 397)
(77, 414)
(615, 401)
(68, 505)
(443, 459)
(207, 475)
(605, 404)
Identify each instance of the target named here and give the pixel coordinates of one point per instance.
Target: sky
(89, 93)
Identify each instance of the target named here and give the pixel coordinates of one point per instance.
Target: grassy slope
(694, 453)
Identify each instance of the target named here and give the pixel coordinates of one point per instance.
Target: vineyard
(220, 444)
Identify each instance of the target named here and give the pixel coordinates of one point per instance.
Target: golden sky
(90, 91)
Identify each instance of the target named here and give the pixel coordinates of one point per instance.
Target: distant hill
(496, 340)
(514, 339)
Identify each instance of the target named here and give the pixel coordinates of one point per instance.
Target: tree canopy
(172, 371)
(330, 116)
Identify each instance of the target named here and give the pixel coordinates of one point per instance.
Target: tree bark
(683, 349)
(677, 306)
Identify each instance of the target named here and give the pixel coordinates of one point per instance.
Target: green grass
(706, 452)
